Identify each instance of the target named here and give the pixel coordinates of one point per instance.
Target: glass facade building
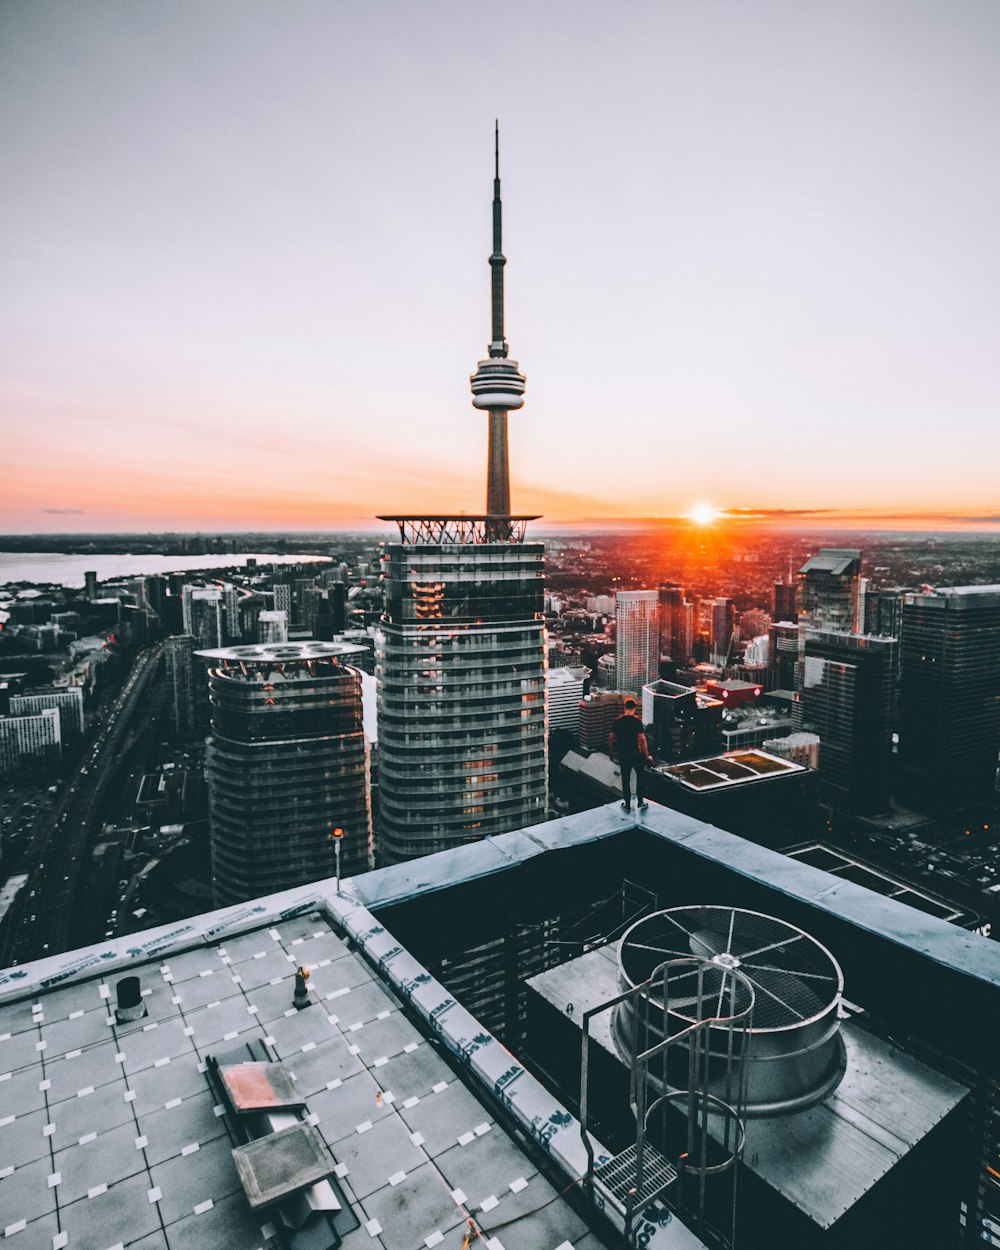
(949, 699)
(637, 647)
(287, 763)
(847, 698)
(461, 667)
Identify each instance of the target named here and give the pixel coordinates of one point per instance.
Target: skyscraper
(178, 652)
(637, 647)
(785, 601)
(272, 626)
(949, 699)
(461, 658)
(782, 655)
(829, 585)
(722, 622)
(672, 621)
(287, 763)
(847, 696)
(202, 609)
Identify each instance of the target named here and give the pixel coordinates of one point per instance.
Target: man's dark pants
(628, 763)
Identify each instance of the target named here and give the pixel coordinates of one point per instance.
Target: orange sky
(245, 289)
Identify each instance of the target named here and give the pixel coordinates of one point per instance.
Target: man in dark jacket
(627, 746)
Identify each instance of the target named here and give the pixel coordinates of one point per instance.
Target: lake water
(68, 570)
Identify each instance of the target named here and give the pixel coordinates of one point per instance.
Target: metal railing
(701, 1138)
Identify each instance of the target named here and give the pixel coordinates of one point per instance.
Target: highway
(44, 915)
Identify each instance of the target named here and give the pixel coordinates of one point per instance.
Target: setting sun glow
(704, 514)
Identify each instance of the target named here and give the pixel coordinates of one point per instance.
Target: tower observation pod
(497, 385)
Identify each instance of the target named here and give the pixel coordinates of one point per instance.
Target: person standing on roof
(627, 746)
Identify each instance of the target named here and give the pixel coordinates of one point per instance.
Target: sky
(753, 259)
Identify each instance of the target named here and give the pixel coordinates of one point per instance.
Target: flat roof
(282, 652)
(822, 1158)
(311, 924)
(112, 1132)
(842, 864)
(731, 769)
(832, 560)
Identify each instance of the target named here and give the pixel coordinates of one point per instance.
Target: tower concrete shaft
(497, 385)
(498, 467)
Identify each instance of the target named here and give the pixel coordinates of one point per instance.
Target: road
(44, 913)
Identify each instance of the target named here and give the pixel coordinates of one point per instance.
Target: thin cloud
(63, 511)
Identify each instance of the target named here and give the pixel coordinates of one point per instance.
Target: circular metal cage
(795, 1055)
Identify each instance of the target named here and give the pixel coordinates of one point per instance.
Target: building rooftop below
(114, 1134)
(823, 1158)
(840, 863)
(733, 768)
(271, 653)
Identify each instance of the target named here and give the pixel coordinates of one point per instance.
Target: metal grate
(795, 978)
(617, 1177)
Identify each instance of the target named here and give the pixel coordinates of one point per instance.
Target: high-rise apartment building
(287, 764)
(283, 599)
(461, 670)
(847, 698)
(949, 699)
(786, 601)
(461, 657)
(672, 621)
(598, 712)
(782, 655)
(272, 626)
(637, 645)
(68, 702)
(35, 736)
(182, 675)
(829, 587)
(231, 624)
(202, 614)
(564, 690)
(884, 612)
(721, 623)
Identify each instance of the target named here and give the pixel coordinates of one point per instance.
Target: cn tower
(497, 385)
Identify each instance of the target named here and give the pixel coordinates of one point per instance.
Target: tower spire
(497, 385)
(498, 345)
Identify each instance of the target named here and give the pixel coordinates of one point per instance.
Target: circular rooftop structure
(282, 652)
(796, 1054)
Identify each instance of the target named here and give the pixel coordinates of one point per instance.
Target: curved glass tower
(461, 671)
(287, 763)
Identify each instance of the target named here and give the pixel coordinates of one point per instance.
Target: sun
(704, 514)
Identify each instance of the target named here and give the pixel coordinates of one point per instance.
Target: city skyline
(244, 284)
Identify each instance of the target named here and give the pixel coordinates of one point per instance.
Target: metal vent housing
(796, 1055)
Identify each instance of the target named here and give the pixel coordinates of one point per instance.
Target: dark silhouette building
(949, 699)
(681, 724)
(786, 601)
(847, 697)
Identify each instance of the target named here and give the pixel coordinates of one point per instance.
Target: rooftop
(269, 653)
(113, 1134)
(834, 560)
(731, 769)
(838, 862)
(460, 530)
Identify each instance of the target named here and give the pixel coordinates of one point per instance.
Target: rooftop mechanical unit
(796, 1054)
